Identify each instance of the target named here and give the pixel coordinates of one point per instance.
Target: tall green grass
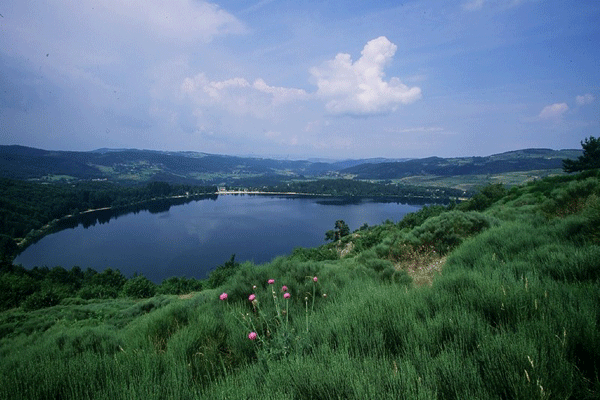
(515, 314)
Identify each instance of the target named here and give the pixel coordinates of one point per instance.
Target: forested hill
(139, 166)
(520, 160)
(20, 162)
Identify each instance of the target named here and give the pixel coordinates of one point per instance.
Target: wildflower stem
(312, 310)
(306, 304)
(287, 314)
(277, 308)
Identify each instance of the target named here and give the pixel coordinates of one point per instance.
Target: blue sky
(333, 79)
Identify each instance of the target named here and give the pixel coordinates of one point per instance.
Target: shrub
(487, 196)
(220, 274)
(139, 287)
(94, 291)
(41, 299)
(449, 229)
(414, 219)
(111, 280)
(14, 288)
(321, 253)
(175, 285)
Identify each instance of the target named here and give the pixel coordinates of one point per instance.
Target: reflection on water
(184, 237)
(89, 219)
(345, 201)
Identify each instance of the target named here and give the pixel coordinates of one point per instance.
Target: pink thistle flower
(252, 297)
(315, 279)
(271, 281)
(223, 296)
(252, 335)
(287, 295)
(284, 288)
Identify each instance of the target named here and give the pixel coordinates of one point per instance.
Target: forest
(347, 187)
(492, 298)
(26, 207)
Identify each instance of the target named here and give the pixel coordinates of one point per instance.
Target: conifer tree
(590, 159)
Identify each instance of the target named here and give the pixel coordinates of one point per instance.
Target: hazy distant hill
(519, 160)
(131, 165)
(19, 162)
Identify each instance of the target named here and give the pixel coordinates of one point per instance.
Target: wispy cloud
(257, 6)
(584, 99)
(184, 20)
(473, 5)
(239, 96)
(476, 5)
(419, 129)
(554, 111)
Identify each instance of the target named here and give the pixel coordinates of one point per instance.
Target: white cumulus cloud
(359, 88)
(280, 94)
(584, 99)
(554, 111)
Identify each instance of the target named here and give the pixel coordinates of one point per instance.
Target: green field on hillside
(472, 182)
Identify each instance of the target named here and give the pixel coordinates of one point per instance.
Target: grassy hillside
(496, 298)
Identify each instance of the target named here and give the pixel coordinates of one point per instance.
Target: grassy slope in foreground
(513, 315)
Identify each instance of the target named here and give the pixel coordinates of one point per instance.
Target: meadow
(497, 297)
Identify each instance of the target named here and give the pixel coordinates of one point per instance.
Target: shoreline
(41, 232)
(37, 234)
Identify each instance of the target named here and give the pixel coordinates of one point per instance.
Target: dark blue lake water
(192, 239)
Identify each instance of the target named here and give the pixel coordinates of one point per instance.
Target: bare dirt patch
(345, 250)
(424, 274)
(422, 264)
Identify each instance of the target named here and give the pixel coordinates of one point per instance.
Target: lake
(191, 239)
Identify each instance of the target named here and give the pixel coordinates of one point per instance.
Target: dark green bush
(139, 287)
(95, 291)
(176, 285)
(14, 288)
(321, 253)
(415, 219)
(41, 299)
(449, 229)
(221, 273)
(486, 196)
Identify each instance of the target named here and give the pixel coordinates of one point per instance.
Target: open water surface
(192, 239)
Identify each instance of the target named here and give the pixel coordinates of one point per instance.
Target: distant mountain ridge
(511, 161)
(133, 165)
